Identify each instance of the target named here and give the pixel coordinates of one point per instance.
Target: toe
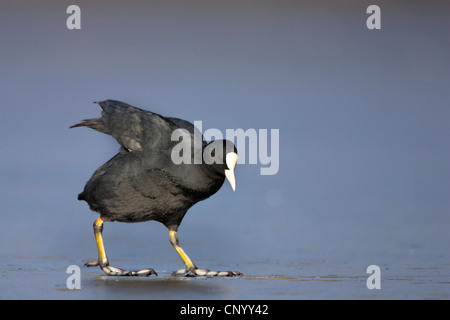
(113, 271)
(184, 273)
(205, 273)
(211, 273)
(92, 263)
(143, 272)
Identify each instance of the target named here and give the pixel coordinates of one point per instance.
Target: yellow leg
(103, 260)
(98, 227)
(173, 237)
(192, 270)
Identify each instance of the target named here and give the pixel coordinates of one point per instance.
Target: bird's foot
(204, 273)
(113, 271)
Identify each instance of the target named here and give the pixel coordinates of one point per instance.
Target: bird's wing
(193, 130)
(134, 128)
(138, 129)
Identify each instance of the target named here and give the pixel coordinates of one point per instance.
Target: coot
(161, 170)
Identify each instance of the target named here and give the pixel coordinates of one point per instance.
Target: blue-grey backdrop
(363, 117)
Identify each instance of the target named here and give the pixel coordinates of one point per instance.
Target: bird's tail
(81, 196)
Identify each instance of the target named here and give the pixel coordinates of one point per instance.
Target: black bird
(162, 169)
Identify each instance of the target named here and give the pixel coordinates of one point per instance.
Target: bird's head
(222, 156)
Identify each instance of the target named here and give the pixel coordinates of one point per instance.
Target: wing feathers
(133, 128)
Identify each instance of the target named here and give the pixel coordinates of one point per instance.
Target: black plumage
(142, 182)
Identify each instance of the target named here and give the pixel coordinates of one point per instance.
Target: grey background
(364, 148)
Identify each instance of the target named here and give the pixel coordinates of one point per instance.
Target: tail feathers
(96, 124)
